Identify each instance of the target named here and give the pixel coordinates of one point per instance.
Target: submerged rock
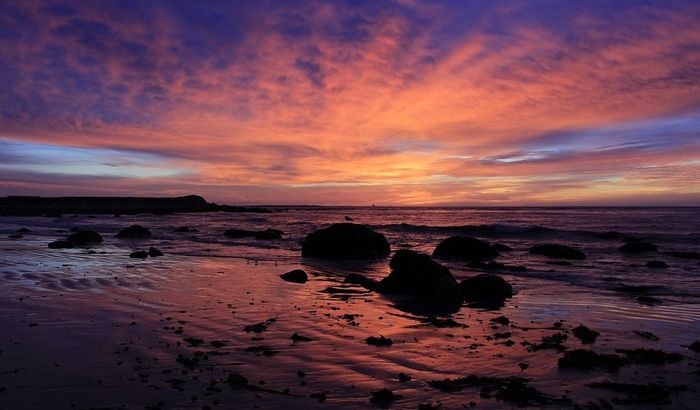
(296, 276)
(634, 247)
(139, 255)
(61, 244)
(649, 300)
(464, 247)
(134, 231)
(418, 275)
(154, 252)
(557, 251)
(345, 241)
(583, 359)
(657, 264)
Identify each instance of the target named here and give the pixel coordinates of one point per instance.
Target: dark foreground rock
(651, 393)
(345, 241)
(634, 247)
(486, 290)
(557, 251)
(134, 232)
(269, 234)
(416, 274)
(36, 206)
(154, 252)
(61, 244)
(296, 276)
(585, 334)
(464, 247)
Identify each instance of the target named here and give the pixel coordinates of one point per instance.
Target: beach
(210, 323)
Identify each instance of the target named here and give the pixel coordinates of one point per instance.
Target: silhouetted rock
(296, 276)
(184, 229)
(499, 247)
(464, 247)
(486, 289)
(656, 264)
(134, 231)
(347, 218)
(379, 341)
(23, 230)
(418, 275)
(139, 255)
(269, 234)
(585, 334)
(633, 247)
(695, 346)
(382, 397)
(583, 359)
(15, 236)
(154, 252)
(557, 251)
(61, 244)
(345, 241)
(85, 236)
(649, 300)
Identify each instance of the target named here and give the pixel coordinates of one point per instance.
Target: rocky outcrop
(345, 241)
(464, 247)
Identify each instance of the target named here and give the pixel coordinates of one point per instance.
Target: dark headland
(36, 206)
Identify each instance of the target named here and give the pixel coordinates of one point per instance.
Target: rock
(486, 288)
(418, 275)
(650, 356)
(464, 247)
(296, 276)
(153, 252)
(642, 394)
(649, 300)
(83, 237)
(382, 397)
(634, 247)
(345, 241)
(61, 244)
(695, 346)
(349, 219)
(296, 337)
(583, 359)
(269, 234)
(23, 230)
(647, 335)
(134, 231)
(404, 378)
(585, 334)
(235, 379)
(657, 264)
(379, 341)
(557, 251)
(15, 236)
(183, 229)
(139, 255)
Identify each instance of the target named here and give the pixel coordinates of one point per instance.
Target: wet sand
(102, 330)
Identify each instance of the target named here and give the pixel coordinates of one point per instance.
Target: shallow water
(103, 330)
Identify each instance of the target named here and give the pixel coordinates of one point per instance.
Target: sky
(400, 102)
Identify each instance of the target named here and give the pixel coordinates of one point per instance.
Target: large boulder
(557, 251)
(134, 231)
(296, 276)
(345, 241)
(416, 274)
(486, 287)
(634, 247)
(84, 237)
(464, 247)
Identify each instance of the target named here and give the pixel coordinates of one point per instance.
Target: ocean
(92, 327)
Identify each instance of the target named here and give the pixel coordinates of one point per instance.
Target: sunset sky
(357, 102)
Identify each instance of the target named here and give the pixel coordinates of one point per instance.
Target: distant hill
(36, 206)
